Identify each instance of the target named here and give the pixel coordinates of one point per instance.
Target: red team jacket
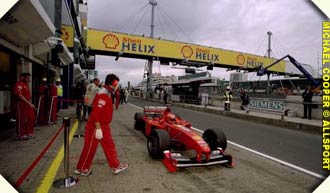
(102, 107)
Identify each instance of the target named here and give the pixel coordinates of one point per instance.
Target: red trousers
(42, 115)
(90, 147)
(25, 119)
(53, 109)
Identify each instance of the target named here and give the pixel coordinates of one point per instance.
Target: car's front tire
(158, 141)
(215, 138)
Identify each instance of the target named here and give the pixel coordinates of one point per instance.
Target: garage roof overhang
(26, 23)
(41, 49)
(78, 74)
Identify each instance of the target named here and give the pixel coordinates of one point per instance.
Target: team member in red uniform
(25, 118)
(42, 93)
(14, 99)
(98, 130)
(53, 103)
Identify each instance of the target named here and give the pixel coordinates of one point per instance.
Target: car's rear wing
(154, 109)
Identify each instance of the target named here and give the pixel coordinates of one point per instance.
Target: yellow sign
(138, 45)
(67, 35)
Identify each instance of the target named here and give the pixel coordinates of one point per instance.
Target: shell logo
(65, 34)
(240, 59)
(187, 51)
(110, 41)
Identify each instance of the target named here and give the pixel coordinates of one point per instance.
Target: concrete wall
(292, 103)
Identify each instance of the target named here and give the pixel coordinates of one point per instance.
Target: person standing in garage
(59, 95)
(53, 104)
(14, 99)
(42, 101)
(98, 130)
(25, 118)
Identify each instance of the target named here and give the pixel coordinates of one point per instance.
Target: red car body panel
(180, 131)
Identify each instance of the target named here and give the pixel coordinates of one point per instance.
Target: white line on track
(263, 155)
(135, 106)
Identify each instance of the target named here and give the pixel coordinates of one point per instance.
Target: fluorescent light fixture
(6, 6)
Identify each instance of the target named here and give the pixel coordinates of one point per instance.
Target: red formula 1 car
(172, 139)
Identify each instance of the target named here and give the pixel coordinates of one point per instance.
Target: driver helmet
(228, 88)
(171, 117)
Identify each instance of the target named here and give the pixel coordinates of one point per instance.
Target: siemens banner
(267, 105)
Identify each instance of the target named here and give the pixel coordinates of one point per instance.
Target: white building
(157, 80)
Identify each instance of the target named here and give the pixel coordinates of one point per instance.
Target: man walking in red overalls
(25, 118)
(42, 102)
(98, 130)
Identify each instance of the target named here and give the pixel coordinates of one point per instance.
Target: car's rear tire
(158, 141)
(139, 123)
(215, 138)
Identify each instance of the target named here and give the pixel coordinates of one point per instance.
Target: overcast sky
(238, 25)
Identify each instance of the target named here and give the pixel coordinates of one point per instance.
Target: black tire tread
(221, 139)
(163, 143)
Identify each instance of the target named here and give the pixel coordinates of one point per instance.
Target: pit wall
(293, 106)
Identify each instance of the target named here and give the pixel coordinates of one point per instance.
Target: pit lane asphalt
(295, 147)
(250, 174)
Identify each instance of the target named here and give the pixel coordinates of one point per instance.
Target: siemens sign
(267, 105)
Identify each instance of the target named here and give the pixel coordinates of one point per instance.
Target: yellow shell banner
(144, 46)
(67, 35)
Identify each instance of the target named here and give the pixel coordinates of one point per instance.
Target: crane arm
(315, 83)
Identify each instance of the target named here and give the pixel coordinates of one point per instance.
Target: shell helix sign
(134, 45)
(67, 35)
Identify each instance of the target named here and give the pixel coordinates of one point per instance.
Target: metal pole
(153, 3)
(269, 50)
(67, 181)
(149, 79)
(51, 109)
(268, 84)
(58, 16)
(66, 122)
